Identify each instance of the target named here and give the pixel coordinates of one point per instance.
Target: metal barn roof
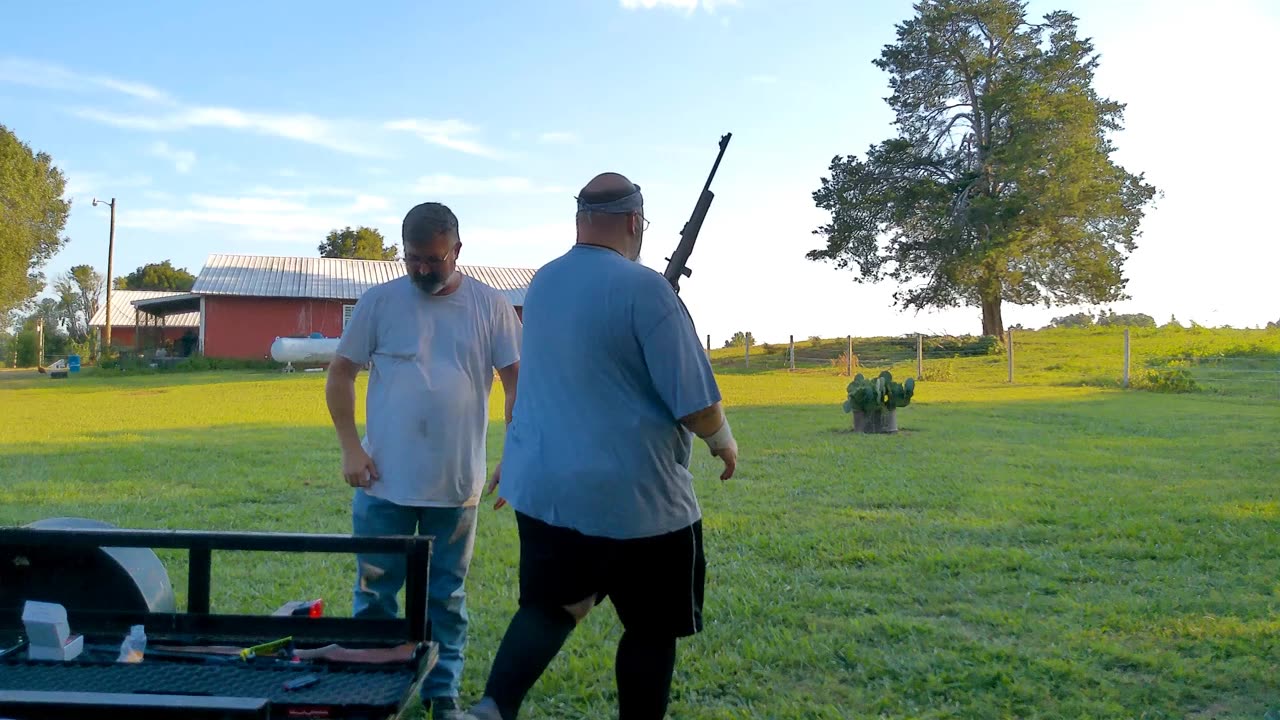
(124, 313)
(329, 278)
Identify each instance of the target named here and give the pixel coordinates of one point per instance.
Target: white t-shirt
(427, 409)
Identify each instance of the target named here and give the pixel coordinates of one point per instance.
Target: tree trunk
(992, 321)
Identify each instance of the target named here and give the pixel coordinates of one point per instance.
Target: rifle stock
(677, 263)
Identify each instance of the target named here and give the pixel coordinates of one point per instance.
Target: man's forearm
(704, 422)
(510, 378)
(340, 395)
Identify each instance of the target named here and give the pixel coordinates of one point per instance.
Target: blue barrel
(73, 363)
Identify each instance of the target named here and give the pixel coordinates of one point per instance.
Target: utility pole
(111, 249)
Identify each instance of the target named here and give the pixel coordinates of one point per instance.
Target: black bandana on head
(611, 203)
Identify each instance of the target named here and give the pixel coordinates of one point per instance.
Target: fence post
(791, 353)
(746, 343)
(1126, 357)
(1009, 344)
(848, 356)
(919, 356)
(708, 344)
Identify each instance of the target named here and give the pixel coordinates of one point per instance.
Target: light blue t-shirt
(609, 363)
(427, 407)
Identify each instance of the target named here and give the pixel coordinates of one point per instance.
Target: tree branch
(946, 132)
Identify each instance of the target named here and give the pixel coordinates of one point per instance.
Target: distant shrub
(1111, 318)
(1171, 379)
(963, 345)
(939, 371)
(1076, 320)
(839, 362)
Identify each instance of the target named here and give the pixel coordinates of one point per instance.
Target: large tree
(32, 216)
(999, 185)
(157, 276)
(363, 243)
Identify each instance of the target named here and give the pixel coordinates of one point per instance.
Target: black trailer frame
(199, 626)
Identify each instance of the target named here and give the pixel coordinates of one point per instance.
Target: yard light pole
(111, 247)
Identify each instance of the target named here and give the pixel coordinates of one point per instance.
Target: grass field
(1231, 362)
(1042, 550)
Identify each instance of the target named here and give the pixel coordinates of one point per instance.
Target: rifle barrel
(724, 144)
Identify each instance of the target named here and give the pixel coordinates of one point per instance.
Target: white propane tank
(304, 350)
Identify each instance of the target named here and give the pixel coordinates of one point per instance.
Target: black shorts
(656, 583)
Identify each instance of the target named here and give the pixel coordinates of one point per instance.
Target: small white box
(46, 624)
(68, 651)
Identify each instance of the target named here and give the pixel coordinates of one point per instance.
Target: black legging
(644, 666)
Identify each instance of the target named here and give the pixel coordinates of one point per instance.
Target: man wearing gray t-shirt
(432, 340)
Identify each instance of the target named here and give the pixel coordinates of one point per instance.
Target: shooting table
(198, 674)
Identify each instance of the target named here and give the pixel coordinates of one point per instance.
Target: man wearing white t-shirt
(432, 339)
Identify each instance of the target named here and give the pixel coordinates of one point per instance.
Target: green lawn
(1042, 550)
(1223, 361)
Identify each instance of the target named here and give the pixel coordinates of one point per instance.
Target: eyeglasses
(429, 260)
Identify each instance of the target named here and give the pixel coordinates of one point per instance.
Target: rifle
(676, 263)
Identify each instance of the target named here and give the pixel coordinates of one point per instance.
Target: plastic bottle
(134, 645)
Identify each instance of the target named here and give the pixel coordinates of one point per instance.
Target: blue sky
(257, 127)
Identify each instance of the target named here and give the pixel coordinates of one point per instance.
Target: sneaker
(485, 710)
(446, 708)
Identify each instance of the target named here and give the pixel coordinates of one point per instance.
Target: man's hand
(730, 457)
(358, 468)
(340, 395)
(712, 427)
(493, 485)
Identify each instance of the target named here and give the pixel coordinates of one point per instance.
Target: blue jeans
(375, 593)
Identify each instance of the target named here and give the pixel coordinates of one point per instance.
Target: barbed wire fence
(1166, 362)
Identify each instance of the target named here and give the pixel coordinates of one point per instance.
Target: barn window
(346, 315)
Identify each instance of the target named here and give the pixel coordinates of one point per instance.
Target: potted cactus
(874, 403)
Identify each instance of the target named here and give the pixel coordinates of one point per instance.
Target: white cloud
(245, 204)
(558, 138)
(276, 219)
(17, 71)
(183, 160)
(138, 90)
(686, 5)
(87, 183)
(302, 192)
(166, 114)
(301, 127)
(445, 133)
(365, 203)
(161, 113)
(442, 184)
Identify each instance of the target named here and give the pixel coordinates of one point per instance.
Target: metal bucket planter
(885, 421)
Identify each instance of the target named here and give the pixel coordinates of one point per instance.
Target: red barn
(244, 302)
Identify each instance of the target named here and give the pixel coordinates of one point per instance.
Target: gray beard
(432, 288)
